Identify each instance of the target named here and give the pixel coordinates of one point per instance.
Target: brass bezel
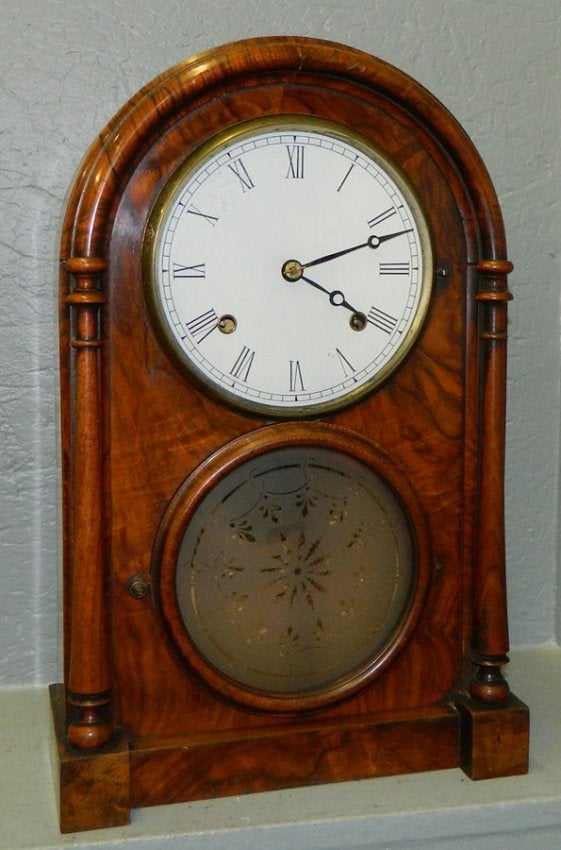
(173, 189)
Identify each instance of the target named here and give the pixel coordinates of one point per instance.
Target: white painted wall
(66, 66)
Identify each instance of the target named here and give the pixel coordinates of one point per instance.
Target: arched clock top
(253, 63)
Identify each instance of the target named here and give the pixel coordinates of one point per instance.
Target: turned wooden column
(490, 629)
(89, 680)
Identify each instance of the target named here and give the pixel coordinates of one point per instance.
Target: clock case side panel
(87, 234)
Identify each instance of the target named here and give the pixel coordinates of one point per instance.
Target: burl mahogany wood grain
(417, 419)
(287, 757)
(134, 428)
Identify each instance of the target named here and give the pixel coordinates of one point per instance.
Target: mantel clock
(283, 350)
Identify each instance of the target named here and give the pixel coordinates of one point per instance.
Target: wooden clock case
(136, 725)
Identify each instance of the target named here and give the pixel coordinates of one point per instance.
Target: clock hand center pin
(292, 270)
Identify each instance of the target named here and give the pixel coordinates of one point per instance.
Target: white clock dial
(289, 267)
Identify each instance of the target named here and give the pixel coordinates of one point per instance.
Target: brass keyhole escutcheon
(138, 586)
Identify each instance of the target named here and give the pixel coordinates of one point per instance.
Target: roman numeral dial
(195, 271)
(201, 326)
(291, 268)
(381, 320)
(243, 364)
(296, 155)
(238, 168)
(296, 377)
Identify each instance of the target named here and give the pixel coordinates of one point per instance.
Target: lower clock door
(290, 577)
(294, 579)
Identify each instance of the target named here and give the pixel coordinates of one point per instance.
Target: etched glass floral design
(295, 570)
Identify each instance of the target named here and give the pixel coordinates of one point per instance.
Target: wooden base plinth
(303, 753)
(99, 789)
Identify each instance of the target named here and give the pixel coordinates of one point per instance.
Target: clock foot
(493, 739)
(93, 786)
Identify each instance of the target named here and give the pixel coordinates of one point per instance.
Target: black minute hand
(372, 242)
